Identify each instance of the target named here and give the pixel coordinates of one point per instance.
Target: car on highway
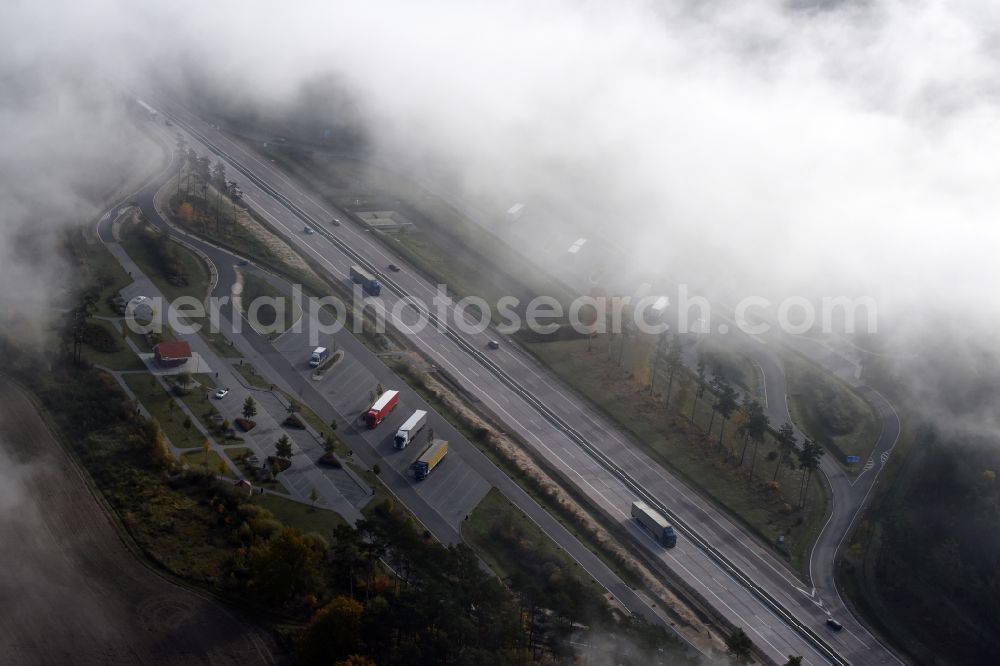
(242, 262)
(394, 268)
(335, 222)
(307, 229)
(493, 344)
(221, 393)
(833, 624)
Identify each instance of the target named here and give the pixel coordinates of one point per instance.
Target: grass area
(828, 410)
(236, 238)
(175, 270)
(199, 401)
(238, 455)
(220, 344)
(173, 523)
(256, 287)
(122, 359)
(736, 367)
(687, 449)
(381, 495)
(521, 553)
(212, 462)
(164, 409)
(299, 515)
(249, 373)
(99, 267)
(444, 245)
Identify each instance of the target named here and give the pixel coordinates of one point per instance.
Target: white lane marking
(722, 584)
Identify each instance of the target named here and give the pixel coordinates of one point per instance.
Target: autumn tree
(219, 180)
(674, 360)
(786, 446)
(203, 169)
(658, 358)
(701, 385)
(284, 566)
(181, 155)
(755, 426)
(724, 405)
(191, 159)
(333, 633)
(809, 457)
(185, 212)
(759, 425)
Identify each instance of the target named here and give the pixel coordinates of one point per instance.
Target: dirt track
(70, 591)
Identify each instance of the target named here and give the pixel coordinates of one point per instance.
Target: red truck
(385, 404)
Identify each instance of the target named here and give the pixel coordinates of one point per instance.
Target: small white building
(515, 212)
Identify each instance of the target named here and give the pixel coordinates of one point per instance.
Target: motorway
(848, 494)
(724, 563)
(442, 501)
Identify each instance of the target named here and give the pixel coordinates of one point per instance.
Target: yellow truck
(430, 458)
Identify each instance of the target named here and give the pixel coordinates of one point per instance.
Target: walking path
(339, 490)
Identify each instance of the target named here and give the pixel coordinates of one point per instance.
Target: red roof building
(170, 354)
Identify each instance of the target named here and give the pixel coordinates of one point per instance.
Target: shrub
(100, 338)
(293, 421)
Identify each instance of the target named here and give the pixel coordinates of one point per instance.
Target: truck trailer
(430, 459)
(381, 408)
(408, 431)
(319, 355)
(367, 281)
(654, 523)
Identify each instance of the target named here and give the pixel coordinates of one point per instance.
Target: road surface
(609, 492)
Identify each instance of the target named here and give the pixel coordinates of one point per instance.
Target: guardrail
(539, 405)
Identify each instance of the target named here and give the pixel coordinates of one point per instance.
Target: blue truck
(367, 281)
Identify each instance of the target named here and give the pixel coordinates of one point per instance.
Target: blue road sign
(853, 460)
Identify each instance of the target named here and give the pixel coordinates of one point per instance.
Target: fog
(817, 149)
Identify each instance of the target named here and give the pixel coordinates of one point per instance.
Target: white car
(221, 393)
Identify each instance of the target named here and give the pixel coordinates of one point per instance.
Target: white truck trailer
(408, 431)
(653, 522)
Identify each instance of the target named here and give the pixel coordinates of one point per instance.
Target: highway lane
(613, 498)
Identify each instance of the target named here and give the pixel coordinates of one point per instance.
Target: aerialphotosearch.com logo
(472, 315)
